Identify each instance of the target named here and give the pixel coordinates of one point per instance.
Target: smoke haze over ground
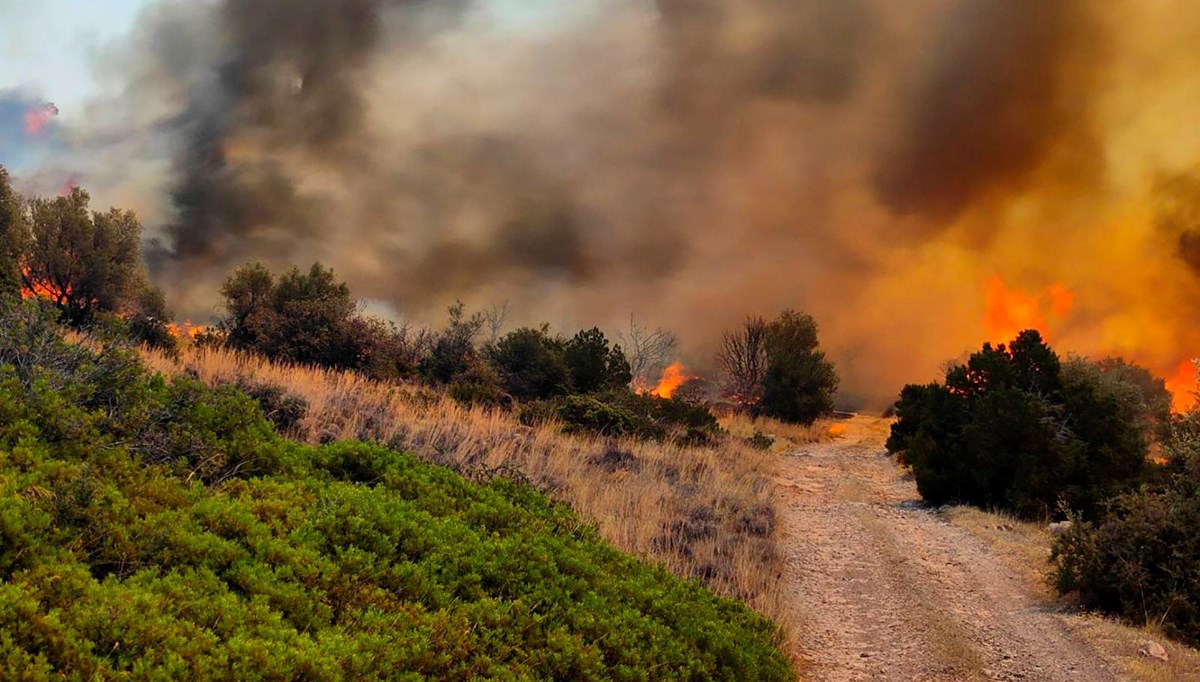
(878, 164)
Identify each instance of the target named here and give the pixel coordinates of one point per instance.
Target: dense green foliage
(14, 236)
(309, 318)
(1016, 428)
(160, 529)
(624, 413)
(1142, 559)
(777, 368)
(86, 262)
(533, 364)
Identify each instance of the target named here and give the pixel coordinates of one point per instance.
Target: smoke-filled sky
(920, 175)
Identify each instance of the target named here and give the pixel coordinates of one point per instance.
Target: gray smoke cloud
(693, 161)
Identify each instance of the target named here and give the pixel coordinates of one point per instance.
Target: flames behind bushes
(876, 163)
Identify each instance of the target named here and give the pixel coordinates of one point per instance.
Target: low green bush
(624, 413)
(162, 530)
(1140, 560)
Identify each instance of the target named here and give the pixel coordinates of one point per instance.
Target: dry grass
(787, 436)
(1025, 547)
(706, 513)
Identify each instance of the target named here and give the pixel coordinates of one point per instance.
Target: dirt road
(886, 590)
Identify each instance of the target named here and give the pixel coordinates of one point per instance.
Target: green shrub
(777, 369)
(588, 414)
(161, 529)
(623, 413)
(1139, 560)
(530, 364)
(1015, 428)
(593, 364)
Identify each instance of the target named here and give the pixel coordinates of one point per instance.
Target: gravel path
(886, 590)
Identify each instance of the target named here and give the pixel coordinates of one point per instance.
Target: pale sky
(47, 46)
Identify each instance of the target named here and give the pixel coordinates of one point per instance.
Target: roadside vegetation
(1017, 429)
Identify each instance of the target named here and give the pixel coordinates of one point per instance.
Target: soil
(885, 589)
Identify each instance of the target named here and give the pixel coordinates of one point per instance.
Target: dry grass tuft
(787, 436)
(706, 513)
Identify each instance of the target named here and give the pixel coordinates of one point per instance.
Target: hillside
(153, 526)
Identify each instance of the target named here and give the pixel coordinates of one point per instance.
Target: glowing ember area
(673, 377)
(1009, 312)
(37, 118)
(1182, 385)
(68, 186)
(38, 288)
(187, 330)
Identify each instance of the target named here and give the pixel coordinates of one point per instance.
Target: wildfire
(38, 288)
(1182, 385)
(672, 378)
(187, 330)
(1008, 311)
(37, 118)
(69, 185)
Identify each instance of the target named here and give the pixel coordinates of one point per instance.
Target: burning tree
(83, 262)
(648, 352)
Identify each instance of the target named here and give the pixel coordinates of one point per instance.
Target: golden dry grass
(1025, 547)
(787, 436)
(706, 513)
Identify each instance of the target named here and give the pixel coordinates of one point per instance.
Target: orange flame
(1009, 312)
(1182, 385)
(38, 288)
(673, 377)
(187, 330)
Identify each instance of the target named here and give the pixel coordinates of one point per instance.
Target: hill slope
(155, 527)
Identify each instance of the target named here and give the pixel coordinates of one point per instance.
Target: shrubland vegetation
(180, 477)
(1141, 560)
(155, 525)
(1016, 428)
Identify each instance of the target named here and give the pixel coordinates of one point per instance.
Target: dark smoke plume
(691, 161)
(1010, 84)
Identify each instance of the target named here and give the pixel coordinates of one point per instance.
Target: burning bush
(1018, 429)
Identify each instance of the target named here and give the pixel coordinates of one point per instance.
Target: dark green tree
(14, 237)
(1017, 428)
(530, 363)
(307, 317)
(150, 320)
(799, 382)
(83, 262)
(594, 365)
(249, 294)
(452, 352)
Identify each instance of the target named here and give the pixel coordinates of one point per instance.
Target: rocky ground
(888, 590)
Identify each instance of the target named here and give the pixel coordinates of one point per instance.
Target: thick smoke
(692, 161)
(1008, 87)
